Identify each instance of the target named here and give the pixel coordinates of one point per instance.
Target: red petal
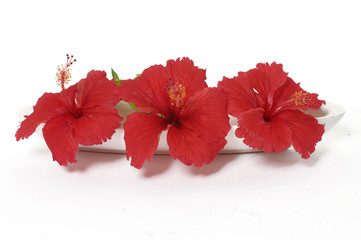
(96, 90)
(48, 106)
(241, 96)
(265, 79)
(96, 125)
(58, 135)
(142, 131)
(292, 96)
(206, 114)
(186, 146)
(147, 92)
(271, 136)
(306, 131)
(184, 72)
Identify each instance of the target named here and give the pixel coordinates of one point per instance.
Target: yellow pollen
(299, 98)
(63, 75)
(177, 93)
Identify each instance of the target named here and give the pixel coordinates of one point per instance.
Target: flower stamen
(176, 92)
(300, 98)
(63, 75)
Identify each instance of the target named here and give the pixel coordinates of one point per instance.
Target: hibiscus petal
(241, 96)
(205, 113)
(96, 125)
(306, 131)
(270, 136)
(48, 106)
(265, 79)
(184, 72)
(58, 135)
(291, 96)
(96, 90)
(141, 135)
(147, 92)
(186, 146)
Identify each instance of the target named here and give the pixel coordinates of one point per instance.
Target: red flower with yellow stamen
(268, 106)
(175, 98)
(81, 114)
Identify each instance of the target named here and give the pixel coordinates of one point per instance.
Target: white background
(240, 196)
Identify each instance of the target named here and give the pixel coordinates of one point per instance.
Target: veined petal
(48, 106)
(96, 125)
(291, 96)
(265, 79)
(58, 135)
(148, 92)
(205, 114)
(190, 149)
(306, 131)
(270, 136)
(142, 132)
(183, 71)
(96, 90)
(241, 96)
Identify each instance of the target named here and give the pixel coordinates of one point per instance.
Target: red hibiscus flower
(175, 97)
(82, 114)
(268, 105)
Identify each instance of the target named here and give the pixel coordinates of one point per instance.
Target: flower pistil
(63, 75)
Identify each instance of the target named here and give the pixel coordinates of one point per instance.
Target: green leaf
(116, 78)
(138, 75)
(118, 82)
(133, 106)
